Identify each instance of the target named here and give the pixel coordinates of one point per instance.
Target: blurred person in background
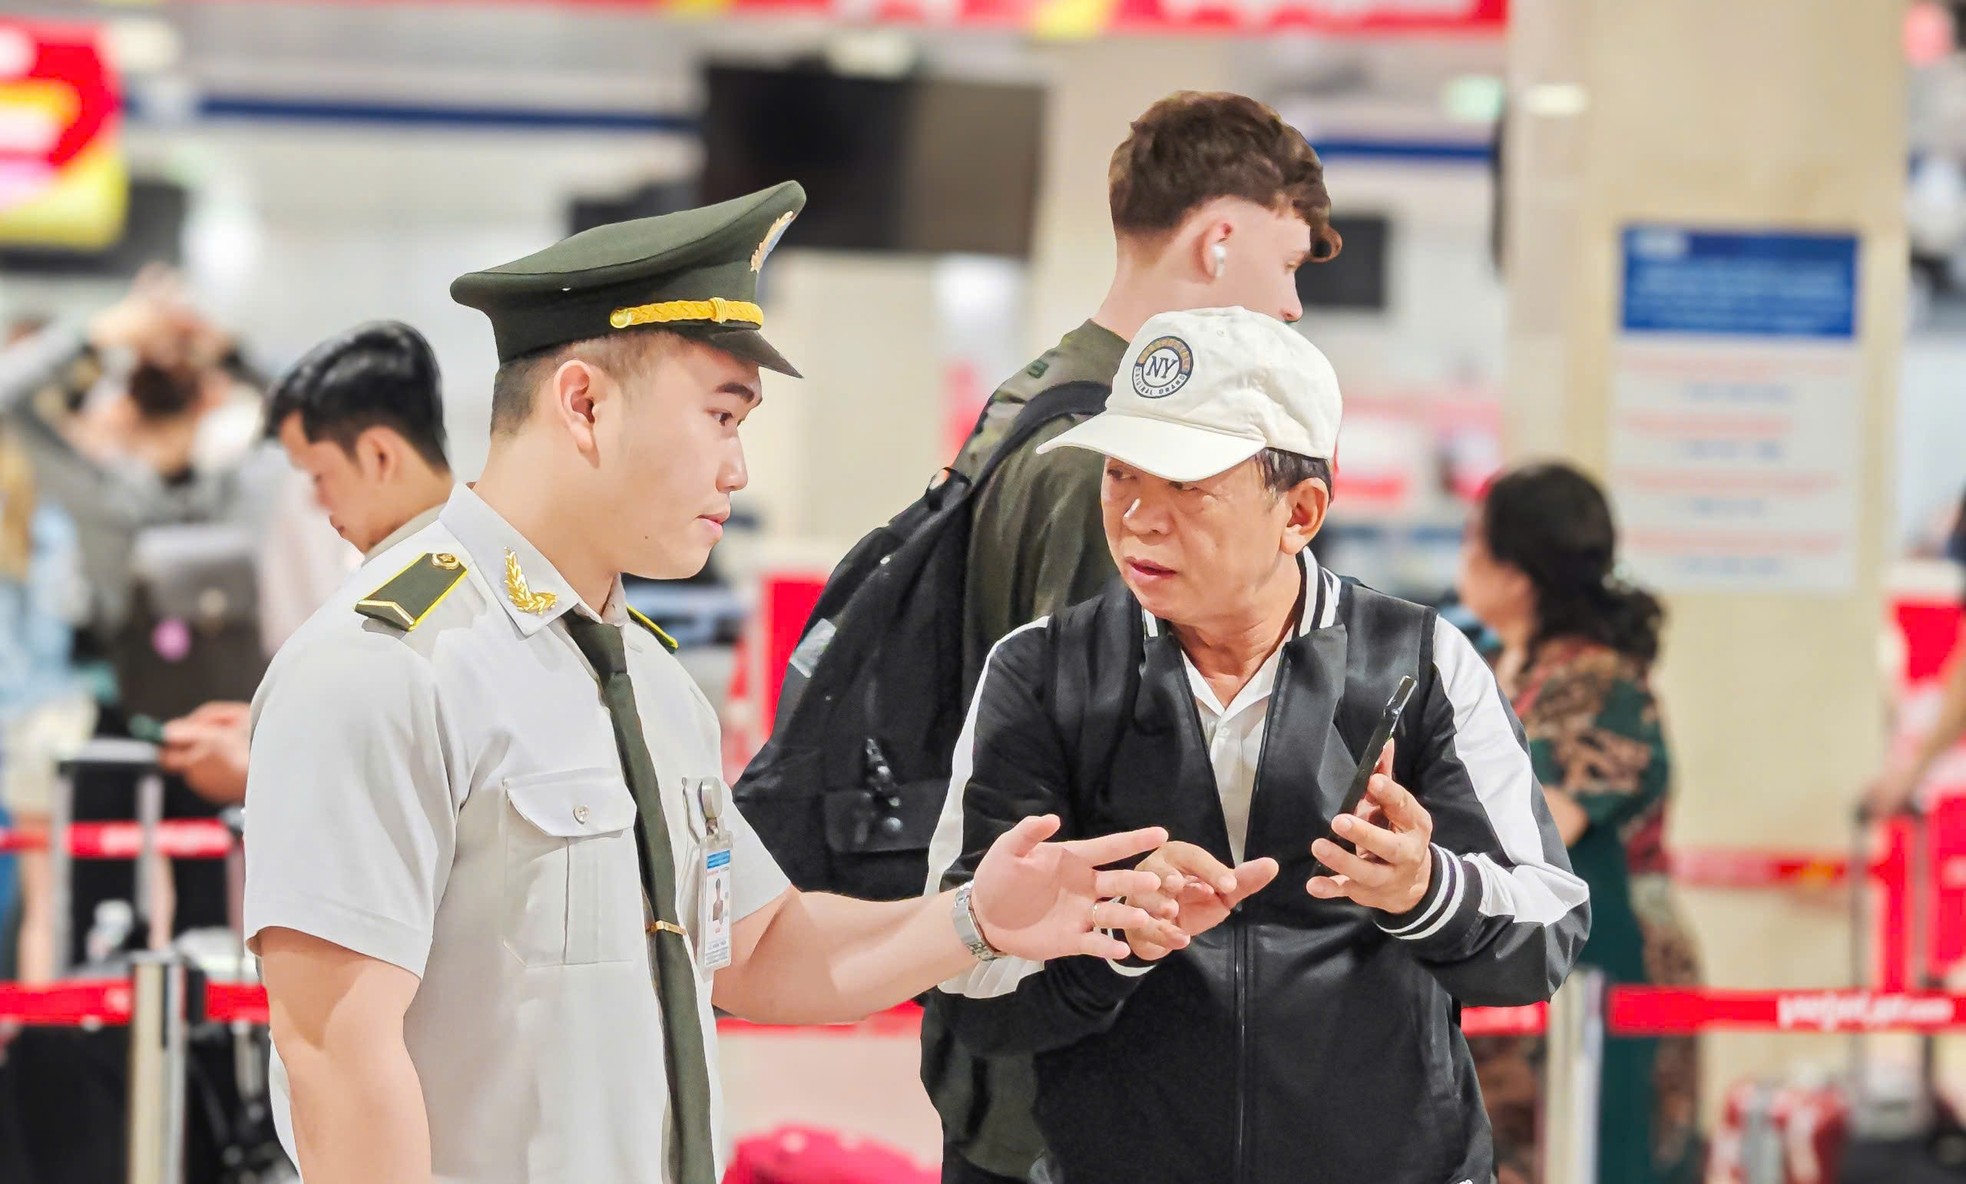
(123, 417)
(142, 424)
(1216, 202)
(361, 416)
(132, 421)
(1576, 649)
(1896, 786)
(44, 712)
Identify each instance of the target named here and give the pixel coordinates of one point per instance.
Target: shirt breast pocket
(572, 887)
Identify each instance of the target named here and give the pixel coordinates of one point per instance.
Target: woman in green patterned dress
(1573, 651)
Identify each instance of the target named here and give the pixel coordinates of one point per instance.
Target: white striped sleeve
(1504, 915)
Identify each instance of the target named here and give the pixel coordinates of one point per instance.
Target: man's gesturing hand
(1197, 890)
(1042, 900)
(1394, 835)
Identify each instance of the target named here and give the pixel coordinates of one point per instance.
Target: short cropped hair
(1284, 471)
(1193, 147)
(625, 355)
(382, 374)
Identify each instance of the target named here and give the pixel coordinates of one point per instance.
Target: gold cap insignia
(523, 597)
(771, 238)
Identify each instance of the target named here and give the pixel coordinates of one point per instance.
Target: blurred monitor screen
(1356, 279)
(915, 164)
(153, 232)
(586, 211)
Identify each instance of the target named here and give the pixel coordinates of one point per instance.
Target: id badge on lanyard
(713, 897)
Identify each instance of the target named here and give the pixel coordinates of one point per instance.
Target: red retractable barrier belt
(1722, 867)
(1631, 1011)
(106, 1002)
(1505, 1021)
(178, 838)
(1661, 1011)
(235, 1003)
(71, 1005)
(905, 1020)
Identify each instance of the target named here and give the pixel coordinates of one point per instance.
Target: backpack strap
(1053, 403)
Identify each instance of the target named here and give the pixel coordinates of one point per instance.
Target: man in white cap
(1226, 690)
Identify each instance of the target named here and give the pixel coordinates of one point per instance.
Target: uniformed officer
(486, 835)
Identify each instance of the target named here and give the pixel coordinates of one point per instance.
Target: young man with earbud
(1216, 202)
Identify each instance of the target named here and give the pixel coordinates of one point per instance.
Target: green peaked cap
(694, 272)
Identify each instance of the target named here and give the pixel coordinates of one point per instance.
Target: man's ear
(379, 453)
(1212, 247)
(1308, 502)
(571, 394)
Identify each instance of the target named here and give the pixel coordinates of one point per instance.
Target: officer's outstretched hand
(1197, 891)
(1394, 835)
(1042, 900)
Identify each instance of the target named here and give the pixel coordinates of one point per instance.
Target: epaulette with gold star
(656, 629)
(409, 596)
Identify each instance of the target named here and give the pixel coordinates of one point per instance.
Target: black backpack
(846, 792)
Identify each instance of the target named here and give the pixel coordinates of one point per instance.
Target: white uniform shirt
(450, 800)
(1235, 733)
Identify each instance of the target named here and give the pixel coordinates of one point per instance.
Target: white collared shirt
(405, 530)
(1235, 732)
(450, 800)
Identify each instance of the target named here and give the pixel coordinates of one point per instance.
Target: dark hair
(621, 354)
(1193, 147)
(382, 374)
(161, 392)
(1553, 524)
(1284, 471)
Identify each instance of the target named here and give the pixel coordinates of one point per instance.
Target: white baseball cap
(1204, 390)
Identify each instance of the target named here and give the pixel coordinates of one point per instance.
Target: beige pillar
(839, 452)
(1752, 115)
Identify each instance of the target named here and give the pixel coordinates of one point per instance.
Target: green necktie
(682, 1033)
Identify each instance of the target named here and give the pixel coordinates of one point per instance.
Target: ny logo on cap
(1162, 367)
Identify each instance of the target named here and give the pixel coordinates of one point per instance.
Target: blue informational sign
(1739, 284)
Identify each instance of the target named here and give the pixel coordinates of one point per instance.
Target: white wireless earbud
(1219, 256)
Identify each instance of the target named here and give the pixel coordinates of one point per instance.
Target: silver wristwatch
(967, 928)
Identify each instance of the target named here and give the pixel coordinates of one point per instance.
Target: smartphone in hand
(1368, 761)
(143, 727)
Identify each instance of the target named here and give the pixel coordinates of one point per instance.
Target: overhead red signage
(1092, 18)
(62, 180)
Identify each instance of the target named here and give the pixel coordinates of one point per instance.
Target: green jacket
(1036, 545)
